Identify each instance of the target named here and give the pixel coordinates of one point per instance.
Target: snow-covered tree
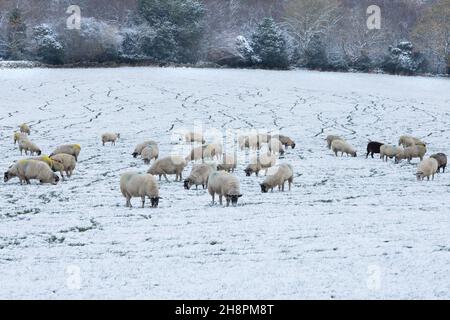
(402, 59)
(47, 45)
(16, 35)
(315, 56)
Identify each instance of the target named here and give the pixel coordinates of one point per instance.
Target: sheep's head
(233, 198)
(248, 172)
(118, 135)
(264, 188)
(281, 152)
(39, 152)
(6, 177)
(135, 154)
(419, 176)
(292, 144)
(155, 201)
(55, 179)
(187, 184)
(354, 154)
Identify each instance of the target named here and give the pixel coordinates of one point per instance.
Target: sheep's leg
(372, 155)
(128, 202)
(220, 199)
(228, 202)
(282, 186)
(443, 169)
(265, 173)
(160, 177)
(143, 202)
(196, 187)
(165, 177)
(213, 196)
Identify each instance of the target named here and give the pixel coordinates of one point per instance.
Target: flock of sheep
(217, 178)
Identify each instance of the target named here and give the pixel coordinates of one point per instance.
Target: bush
(315, 55)
(47, 46)
(403, 60)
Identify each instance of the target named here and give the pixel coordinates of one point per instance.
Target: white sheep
(276, 147)
(24, 128)
(198, 176)
(72, 149)
(213, 150)
(284, 173)
(141, 146)
(253, 141)
(224, 185)
(263, 162)
(285, 140)
(196, 154)
(331, 138)
(27, 170)
(110, 137)
(194, 137)
(28, 146)
(54, 165)
(18, 136)
(426, 169)
(67, 161)
(150, 152)
(134, 185)
(415, 151)
(343, 147)
(229, 163)
(409, 141)
(169, 165)
(389, 151)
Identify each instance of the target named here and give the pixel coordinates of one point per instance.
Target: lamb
(67, 161)
(24, 128)
(389, 151)
(150, 152)
(285, 140)
(224, 185)
(343, 147)
(264, 161)
(228, 164)
(169, 165)
(442, 161)
(110, 137)
(199, 176)
(213, 150)
(331, 138)
(194, 137)
(27, 170)
(427, 168)
(276, 147)
(415, 151)
(141, 146)
(196, 154)
(408, 141)
(18, 136)
(72, 149)
(136, 185)
(28, 146)
(373, 147)
(284, 173)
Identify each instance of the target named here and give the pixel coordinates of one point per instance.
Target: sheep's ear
(239, 195)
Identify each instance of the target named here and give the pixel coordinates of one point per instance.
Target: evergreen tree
(315, 56)
(16, 31)
(402, 59)
(48, 48)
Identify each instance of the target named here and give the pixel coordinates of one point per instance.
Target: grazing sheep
(442, 161)
(224, 185)
(134, 185)
(408, 141)
(343, 147)
(373, 147)
(28, 146)
(264, 161)
(110, 137)
(27, 170)
(284, 173)
(141, 146)
(18, 136)
(213, 150)
(54, 165)
(196, 154)
(199, 176)
(331, 138)
(67, 161)
(228, 164)
(72, 149)
(427, 168)
(169, 165)
(415, 151)
(276, 147)
(150, 152)
(389, 151)
(24, 128)
(194, 137)
(285, 140)
(253, 142)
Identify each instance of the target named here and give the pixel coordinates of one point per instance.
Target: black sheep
(373, 147)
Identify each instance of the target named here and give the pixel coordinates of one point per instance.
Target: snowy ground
(350, 228)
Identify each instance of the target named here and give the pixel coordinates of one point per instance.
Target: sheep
(427, 168)
(150, 152)
(24, 128)
(28, 146)
(196, 154)
(442, 161)
(138, 150)
(27, 170)
(133, 184)
(415, 151)
(228, 164)
(18, 136)
(284, 173)
(224, 185)
(330, 140)
(72, 149)
(373, 147)
(54, 165)
(389, 151)
(213, 150)
(343, 147)
(67, 161)
(408, 141)
(254, 141)
(194, 137)
(169, 165)
(110, 137)
(198, 176)
(285, 140)
(276, 147)
(264, 161)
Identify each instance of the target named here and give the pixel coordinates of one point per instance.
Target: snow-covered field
(350, 228)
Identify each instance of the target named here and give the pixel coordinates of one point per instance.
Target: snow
(350, 227)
